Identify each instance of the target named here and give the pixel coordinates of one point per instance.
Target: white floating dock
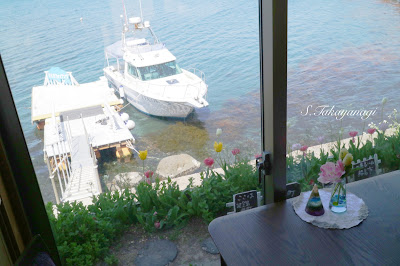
(61, 98)
(79, 120)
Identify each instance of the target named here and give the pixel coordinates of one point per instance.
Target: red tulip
(209, 161)
(235, 151)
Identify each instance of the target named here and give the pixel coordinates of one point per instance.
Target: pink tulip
(371, 130)
(235, 151)
(340, 164)
(209, 161)
(331, 172)
(304, 148)
(148, 174)
(353, 133)
(157, 225)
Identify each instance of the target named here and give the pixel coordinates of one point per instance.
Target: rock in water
(314, 205)
(177, 165)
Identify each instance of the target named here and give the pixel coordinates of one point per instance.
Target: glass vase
(338, 202)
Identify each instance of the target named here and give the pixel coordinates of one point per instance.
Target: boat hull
(150, 105)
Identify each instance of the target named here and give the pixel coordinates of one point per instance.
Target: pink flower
(331, 172)
(353, 133)
(235, 151)
(296, 146)
(209, 161)
(258, 156)
(148, 174)
(371, 130)
(155, 213)
(157, 225)
(340, 164)
(304, 148)
(148, 181)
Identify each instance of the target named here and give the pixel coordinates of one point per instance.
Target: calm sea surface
(340, 53)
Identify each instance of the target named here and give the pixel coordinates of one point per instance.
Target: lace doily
(356, 212)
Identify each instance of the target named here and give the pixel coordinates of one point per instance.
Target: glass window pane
(343, 79)
(93, 128)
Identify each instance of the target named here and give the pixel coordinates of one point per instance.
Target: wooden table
(275, 235)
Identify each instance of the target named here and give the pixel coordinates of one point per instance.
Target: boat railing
(175, 91)
(138, 49)
(198, 73)
(60, 79)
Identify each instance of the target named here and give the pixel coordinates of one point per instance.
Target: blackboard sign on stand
(245, 201)
(369, 167)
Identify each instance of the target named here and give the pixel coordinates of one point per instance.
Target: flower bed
(84, 234)
(305, 167)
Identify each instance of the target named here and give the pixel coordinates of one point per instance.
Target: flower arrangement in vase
(335, 175)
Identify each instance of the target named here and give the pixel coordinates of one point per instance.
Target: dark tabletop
(274, 234)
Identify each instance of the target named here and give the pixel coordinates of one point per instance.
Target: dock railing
(58, 162)
(93, 156)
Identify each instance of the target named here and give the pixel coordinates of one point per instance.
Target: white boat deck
(61, 98)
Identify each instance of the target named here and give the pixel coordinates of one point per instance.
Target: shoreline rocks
(125, 180)
(176, 166)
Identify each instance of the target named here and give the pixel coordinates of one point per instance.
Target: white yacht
(145, 72)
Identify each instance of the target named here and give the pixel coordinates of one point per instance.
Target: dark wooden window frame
(19, 178)
(273, 96)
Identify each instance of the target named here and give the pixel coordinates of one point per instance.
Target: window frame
(19, 179)
(130, 66)
(273, 94)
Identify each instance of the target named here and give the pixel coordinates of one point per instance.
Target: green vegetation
(85, 234)
(307, 167)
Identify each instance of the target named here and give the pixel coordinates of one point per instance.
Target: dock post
(55, 189)
(52, 180)
(95, 168)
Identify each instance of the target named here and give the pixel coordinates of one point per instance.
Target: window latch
(264, 164)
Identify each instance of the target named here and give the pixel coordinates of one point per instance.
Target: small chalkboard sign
(368, 168)
(245, 201)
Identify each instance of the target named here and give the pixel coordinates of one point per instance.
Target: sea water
(342, 53)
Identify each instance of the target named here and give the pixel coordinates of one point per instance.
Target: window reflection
(159, 71)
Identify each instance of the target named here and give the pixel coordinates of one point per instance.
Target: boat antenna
(126, 19)
(141, 12)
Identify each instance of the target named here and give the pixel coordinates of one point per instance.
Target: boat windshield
(159, 71)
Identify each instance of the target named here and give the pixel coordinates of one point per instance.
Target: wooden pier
(75, 131)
